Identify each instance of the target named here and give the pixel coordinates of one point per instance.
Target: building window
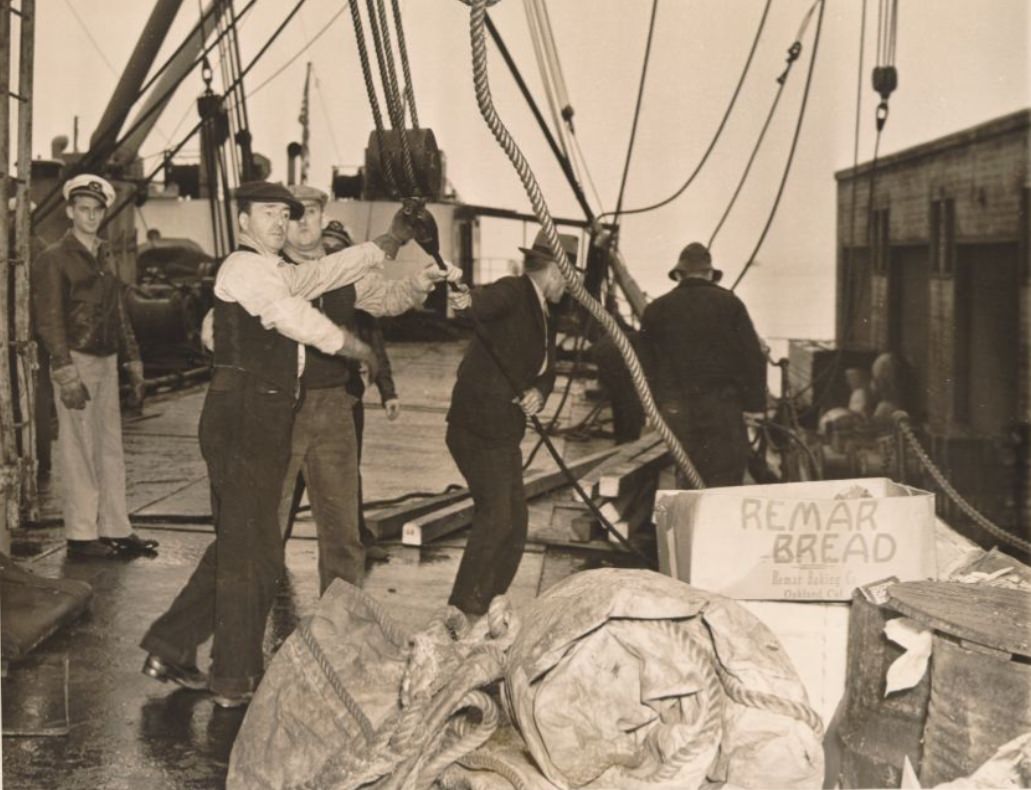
(943, 237)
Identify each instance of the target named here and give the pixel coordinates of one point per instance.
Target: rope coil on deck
(904, 427)
(540, 208)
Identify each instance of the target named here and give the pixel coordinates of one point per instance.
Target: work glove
(393, 408)
(531, 402)
(73, 392)
(356, 349)
(137, 385)
(405, 223)
(460, 298)
(433, 274)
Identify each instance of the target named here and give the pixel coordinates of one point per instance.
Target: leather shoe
(133, 544)
(91, 548)
(230, 701)
(189, 677)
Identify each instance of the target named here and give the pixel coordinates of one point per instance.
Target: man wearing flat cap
(263, 320)
(326, 448)
(706, 367)
(487, 419)
(83, 324)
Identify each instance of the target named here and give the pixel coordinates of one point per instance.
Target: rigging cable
(794, 51)
(405, 68)
(47, 204)
(370, 89)
(794, 146)
(576, 287)
(637, 108)
(388, 78)
(115, 210)
(719, 129)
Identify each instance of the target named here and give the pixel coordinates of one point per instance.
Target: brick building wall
(960, 197)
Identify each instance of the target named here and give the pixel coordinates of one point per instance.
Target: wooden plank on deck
(430, 526)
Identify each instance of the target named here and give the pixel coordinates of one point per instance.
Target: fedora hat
(695, 259)
(540, 252)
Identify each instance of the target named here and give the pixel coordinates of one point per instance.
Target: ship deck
(121, 729)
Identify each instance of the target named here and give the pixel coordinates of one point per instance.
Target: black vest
(243, 344)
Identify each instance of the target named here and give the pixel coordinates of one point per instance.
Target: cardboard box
(812, 541)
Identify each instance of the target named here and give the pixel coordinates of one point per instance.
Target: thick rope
(335, 683)
(710, 698)
(465, 737)
(540, 208)
(902, 421)
(488, 762)
(403, 49)
(741, 694)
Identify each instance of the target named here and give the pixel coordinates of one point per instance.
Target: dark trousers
(245, 441)
(711, 427)
(493, 471)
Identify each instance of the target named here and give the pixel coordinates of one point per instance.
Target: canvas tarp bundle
(625, 678)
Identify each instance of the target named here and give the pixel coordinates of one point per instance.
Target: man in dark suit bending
(487, 418)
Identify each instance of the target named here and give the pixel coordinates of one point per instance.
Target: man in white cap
(263, 322)
(489, 407)
(83, 322)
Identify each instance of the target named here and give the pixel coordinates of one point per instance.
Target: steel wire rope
(716, 136)
(385, 58)
(791, 152)
(119, 207)
(297, 54)
(47, 205)
(402, 48)
(536, 39)
(329, 120)
(407, 162)
(637, 108)
(370, 89)
(794, 51)
(226, 69)
(828, 374)
(576, 287)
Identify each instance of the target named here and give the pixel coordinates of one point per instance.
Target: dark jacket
(699, 338)
(79, 304)
(510, 314)
(323, 370)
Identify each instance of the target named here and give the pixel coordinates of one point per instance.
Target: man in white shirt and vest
(262, 321)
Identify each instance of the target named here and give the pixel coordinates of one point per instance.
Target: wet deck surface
(125, 730)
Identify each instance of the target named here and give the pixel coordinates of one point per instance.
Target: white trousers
(89, 451)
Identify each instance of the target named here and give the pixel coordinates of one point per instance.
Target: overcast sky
(959, 62)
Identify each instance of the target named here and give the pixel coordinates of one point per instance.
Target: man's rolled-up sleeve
(258, 284)
(379, 296)
(310, 279)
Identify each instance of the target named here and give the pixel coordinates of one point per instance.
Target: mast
(305, 130)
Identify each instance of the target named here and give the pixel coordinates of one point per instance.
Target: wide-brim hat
(306, 193)
(89, 184)
(540, 253)
(267, 192)
(695, 258)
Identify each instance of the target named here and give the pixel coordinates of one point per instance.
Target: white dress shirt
(279, 293)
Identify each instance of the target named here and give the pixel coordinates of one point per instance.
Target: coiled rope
(904, 427)
(540, 208)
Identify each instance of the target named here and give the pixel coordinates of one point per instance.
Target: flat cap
(89, 184)
(303, 192)
(540, 252)
(337, 230)
(267, 192)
